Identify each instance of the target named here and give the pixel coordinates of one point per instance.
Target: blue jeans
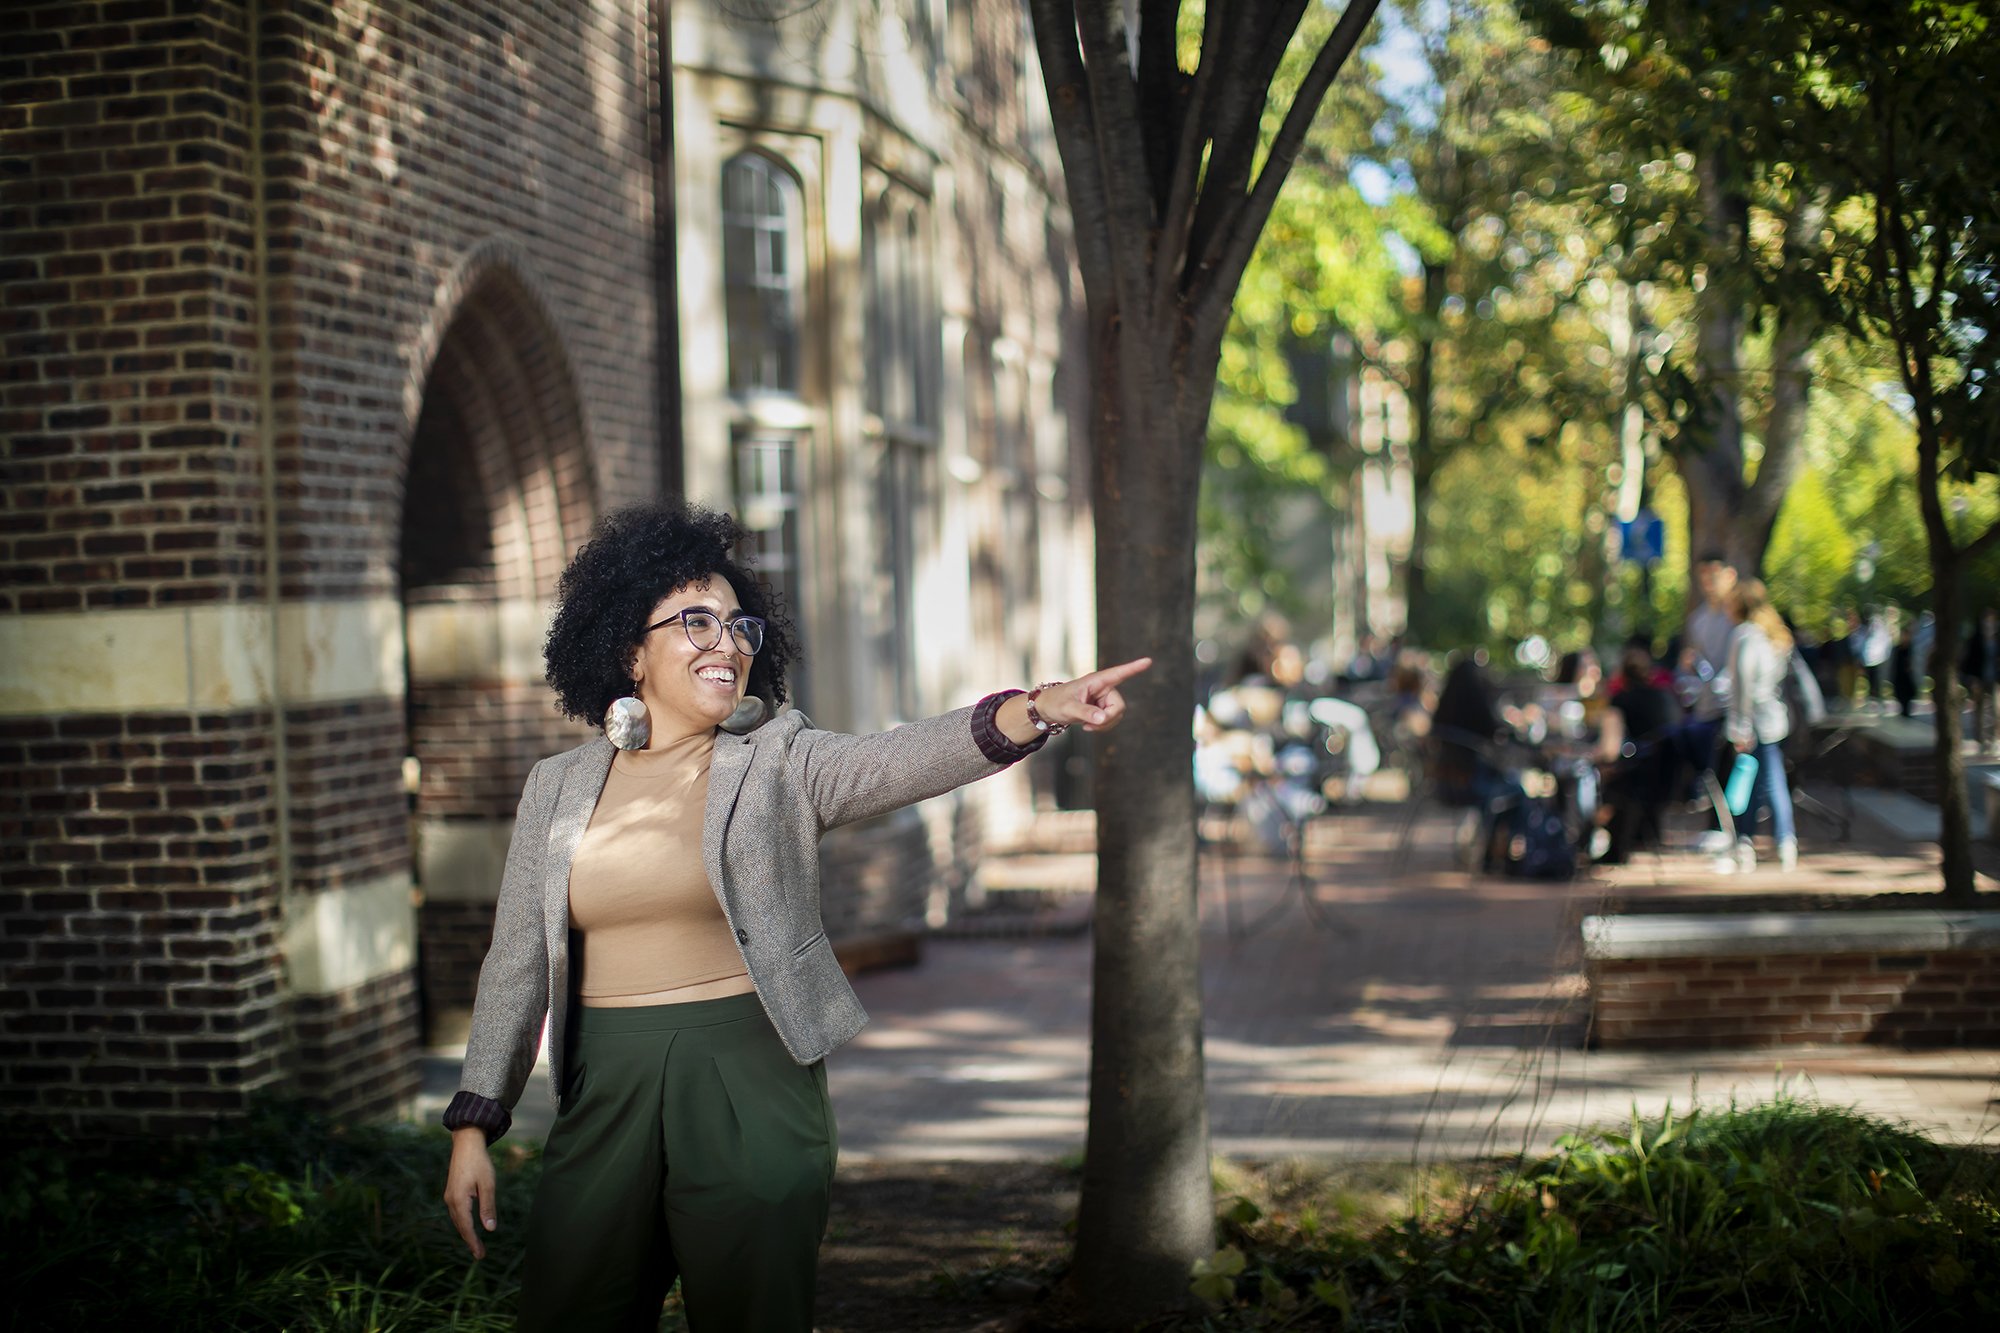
(1769, 789)
(1491, 787)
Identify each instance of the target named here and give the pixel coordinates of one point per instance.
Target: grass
(1783, 1216)
(290, 1222)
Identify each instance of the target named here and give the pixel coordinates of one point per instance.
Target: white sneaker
(1714, 842)
(1788, 854)
(1746, 856)
(1722, 865)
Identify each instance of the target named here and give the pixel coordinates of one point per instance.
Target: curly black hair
(636, 556)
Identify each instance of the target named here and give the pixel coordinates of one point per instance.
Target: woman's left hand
(1091, 702)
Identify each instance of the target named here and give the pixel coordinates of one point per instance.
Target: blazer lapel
(725, 779)
(574, 804)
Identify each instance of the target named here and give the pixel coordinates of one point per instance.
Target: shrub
(1790, 1215)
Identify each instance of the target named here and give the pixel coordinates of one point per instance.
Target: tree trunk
(1954, 805)
(1147, 1207)
(1425, 460)
(1163, 231)
(1726, 513)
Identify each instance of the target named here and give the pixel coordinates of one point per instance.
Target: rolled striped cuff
(469, 1108)
(992, 741)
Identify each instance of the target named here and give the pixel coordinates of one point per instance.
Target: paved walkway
(1446, 1019)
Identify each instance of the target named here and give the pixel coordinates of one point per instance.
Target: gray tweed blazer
(771, 794)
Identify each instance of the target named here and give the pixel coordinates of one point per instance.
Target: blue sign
(1643, 541)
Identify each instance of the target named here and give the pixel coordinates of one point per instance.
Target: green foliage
(292, 1222)
(1470, 289)
(1789, 1215)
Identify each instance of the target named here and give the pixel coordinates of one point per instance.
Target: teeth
(721, 674)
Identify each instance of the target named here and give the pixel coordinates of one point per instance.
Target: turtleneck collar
(663, 759)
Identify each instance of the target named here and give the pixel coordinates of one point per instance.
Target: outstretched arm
(859, 777)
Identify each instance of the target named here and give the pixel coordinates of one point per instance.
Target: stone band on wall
(199, 658)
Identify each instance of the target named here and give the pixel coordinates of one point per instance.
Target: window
(763, 274)
(902, 347)
(901, 315)
(767, 488)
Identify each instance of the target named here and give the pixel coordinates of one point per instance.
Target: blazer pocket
(808, 946)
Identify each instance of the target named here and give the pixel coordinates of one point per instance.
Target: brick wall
(141, 929)
(1932, 999)
(125, 256)
(357, 1047)
(454, 202)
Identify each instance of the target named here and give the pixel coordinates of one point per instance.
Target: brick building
(329, 329)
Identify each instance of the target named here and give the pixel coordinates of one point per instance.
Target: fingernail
(491, 1224)
(1098, 718)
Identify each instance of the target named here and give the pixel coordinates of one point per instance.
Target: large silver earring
(749, 715)
(627, 724)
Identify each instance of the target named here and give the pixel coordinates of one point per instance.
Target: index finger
(1111, 677)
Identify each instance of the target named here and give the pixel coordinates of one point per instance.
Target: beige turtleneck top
(652, 929)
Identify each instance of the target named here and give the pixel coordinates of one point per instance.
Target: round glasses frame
(747, 632)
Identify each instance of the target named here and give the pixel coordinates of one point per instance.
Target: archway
(497, 492)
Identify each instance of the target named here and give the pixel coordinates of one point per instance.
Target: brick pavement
(1449, 1022)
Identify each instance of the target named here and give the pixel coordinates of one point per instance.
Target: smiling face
(685, 690)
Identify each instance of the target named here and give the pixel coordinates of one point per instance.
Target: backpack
(1547, 853)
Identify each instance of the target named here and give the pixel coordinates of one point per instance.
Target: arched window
(762, 274)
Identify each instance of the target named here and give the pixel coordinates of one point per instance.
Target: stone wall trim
(341, 938)
(199, 658)
(1751, 934)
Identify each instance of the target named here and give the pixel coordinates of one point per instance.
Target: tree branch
(1238, 120)
(1121, 151)
(1071, 114)
(1176, 215)
(1217, 277)
(1163, 92)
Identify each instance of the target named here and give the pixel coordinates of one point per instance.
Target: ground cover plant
(289, 1222)
(1786, 1215)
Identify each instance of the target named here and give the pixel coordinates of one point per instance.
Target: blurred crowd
(1560, 767)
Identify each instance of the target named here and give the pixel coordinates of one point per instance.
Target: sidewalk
(1449, 1022)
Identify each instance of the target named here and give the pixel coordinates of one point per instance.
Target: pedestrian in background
(1760, 654)
(1876, 645)
(1706, 653)
(1980, 665)
(1904, 664)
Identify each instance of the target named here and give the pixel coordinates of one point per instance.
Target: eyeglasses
(704, 631)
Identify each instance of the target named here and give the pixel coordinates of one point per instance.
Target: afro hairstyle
(636, 556)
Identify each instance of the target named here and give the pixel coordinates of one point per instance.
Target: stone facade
(329, 329)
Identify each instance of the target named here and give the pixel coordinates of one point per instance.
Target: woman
(1760, 653)
(660, 910)
(1465, 727)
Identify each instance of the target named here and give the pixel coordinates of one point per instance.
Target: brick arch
(493, 348)
(511, 445)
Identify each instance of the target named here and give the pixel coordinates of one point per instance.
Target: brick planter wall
(1944, 998)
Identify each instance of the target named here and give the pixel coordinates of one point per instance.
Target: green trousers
(688, 1143)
